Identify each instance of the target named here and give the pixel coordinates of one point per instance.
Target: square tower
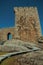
(27, 23)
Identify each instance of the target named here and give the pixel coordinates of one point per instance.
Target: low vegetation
(33, 58)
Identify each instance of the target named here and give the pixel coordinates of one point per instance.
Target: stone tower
(27, 23)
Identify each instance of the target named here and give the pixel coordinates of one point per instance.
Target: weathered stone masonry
(4, 32)
(27, 25)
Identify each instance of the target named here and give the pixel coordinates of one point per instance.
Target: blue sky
(7, 12)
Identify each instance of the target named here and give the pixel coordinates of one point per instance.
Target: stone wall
(27, 23)
(4, 32)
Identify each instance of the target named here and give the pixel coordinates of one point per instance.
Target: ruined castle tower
(27, 23)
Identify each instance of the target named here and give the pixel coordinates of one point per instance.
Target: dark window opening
(9, 36)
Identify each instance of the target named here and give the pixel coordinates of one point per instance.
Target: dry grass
(1, 53)
(10, 61)
(34, 58)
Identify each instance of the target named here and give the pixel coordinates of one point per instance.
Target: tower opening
(9, 36)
